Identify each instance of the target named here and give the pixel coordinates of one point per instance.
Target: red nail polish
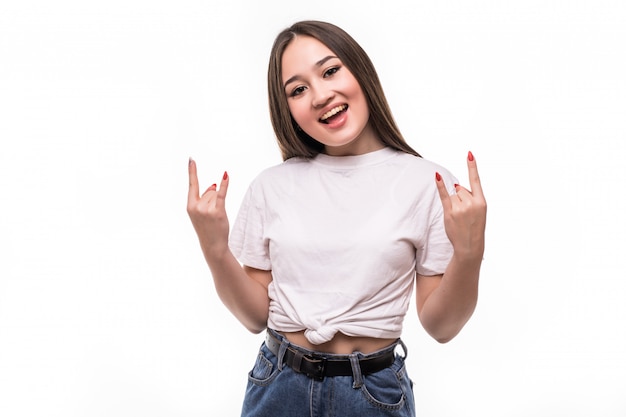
(437, 176)
(225, 177)
(470, 156)
(456, 185)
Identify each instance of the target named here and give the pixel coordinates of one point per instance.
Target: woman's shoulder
(280, 172)
(291, 164)
(418, 166)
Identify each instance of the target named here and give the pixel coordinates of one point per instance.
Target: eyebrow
(317, 64)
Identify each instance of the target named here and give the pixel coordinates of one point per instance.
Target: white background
(106, 305)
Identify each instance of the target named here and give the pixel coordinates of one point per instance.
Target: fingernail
(456, 185)
(437, 176)
(190, 160)
(225, 177)
(470, 156)
(213, 186)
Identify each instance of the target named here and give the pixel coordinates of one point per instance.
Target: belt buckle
(320, 371)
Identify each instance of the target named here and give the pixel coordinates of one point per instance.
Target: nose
(321, 96)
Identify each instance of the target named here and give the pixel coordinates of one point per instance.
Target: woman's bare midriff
(340, 344)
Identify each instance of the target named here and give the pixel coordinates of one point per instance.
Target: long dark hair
(295, 142)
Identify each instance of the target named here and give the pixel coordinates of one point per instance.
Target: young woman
(328, 246)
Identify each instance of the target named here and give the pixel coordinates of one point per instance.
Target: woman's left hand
(465, 214)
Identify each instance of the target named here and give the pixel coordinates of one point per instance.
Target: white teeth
(333, 112)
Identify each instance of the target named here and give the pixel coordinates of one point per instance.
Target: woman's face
(325, 99)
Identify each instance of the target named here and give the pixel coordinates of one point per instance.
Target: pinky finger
(443, 192)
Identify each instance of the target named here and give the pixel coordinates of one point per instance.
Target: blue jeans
(275, 390)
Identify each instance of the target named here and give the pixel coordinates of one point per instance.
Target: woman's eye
(297, 91)
(331, 71)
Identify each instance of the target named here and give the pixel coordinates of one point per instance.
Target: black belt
(318, 367)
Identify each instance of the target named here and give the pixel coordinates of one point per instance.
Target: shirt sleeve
(247, 241)
(433, 257)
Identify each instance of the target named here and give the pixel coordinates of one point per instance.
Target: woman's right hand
(208, 213)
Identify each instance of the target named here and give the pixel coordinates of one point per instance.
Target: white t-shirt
(343, 237)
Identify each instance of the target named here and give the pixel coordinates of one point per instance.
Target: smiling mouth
(332, 113)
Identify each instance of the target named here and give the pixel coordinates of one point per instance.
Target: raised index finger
(474, 178)
(193, 180)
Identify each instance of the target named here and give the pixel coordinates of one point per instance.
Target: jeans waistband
(318, 365)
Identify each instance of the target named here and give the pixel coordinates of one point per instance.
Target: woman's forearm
(244, 296)
(451, 304)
